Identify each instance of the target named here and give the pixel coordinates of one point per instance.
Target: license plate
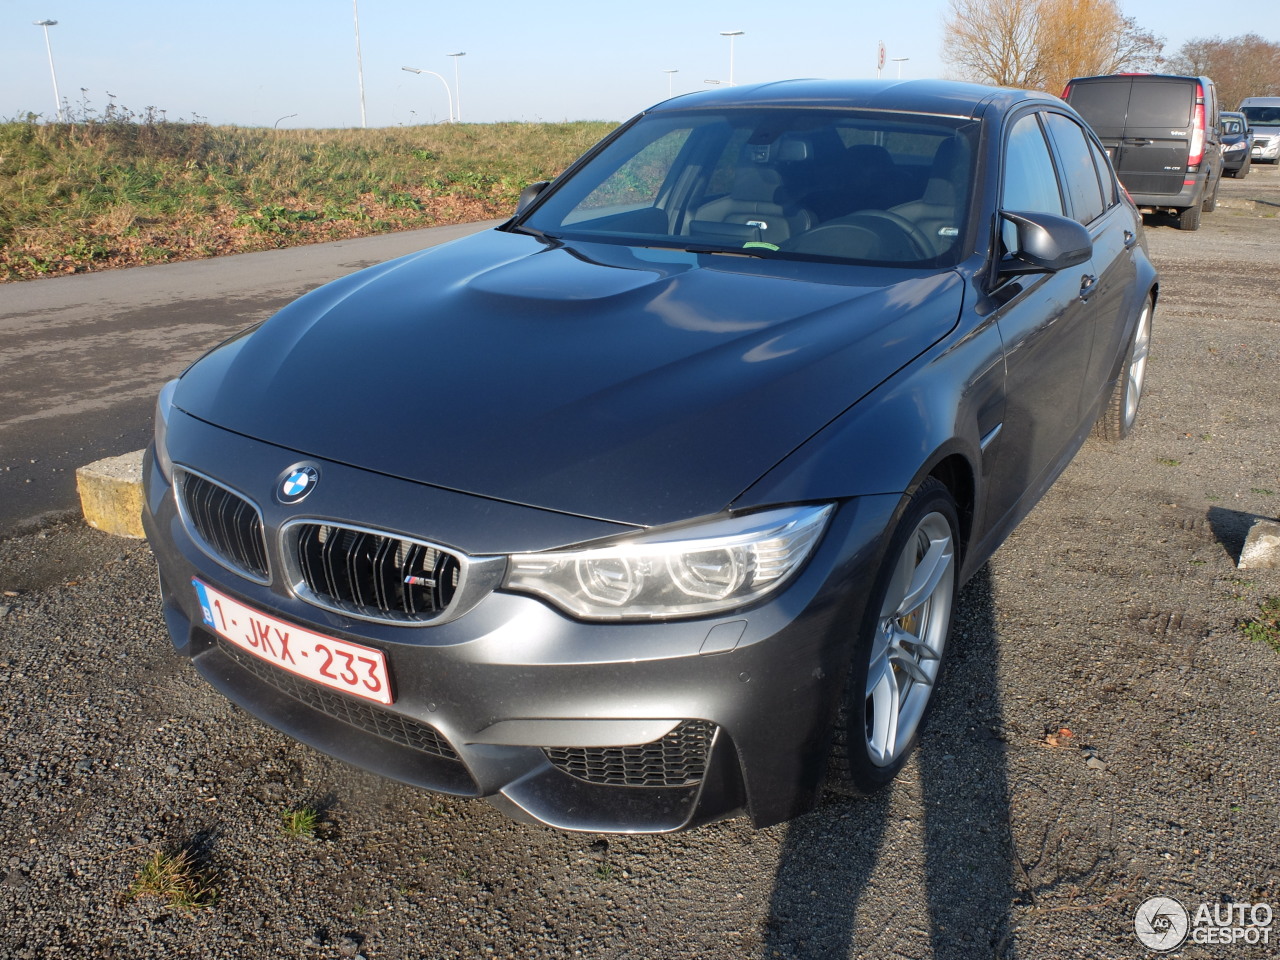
(340, 664)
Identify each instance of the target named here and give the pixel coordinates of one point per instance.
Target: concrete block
(1262, 547)
(111, 494)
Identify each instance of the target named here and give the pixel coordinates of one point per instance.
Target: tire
(1189, 218)
(900, 648)
(1121, 412)
(1210, 202)
(1244, 168)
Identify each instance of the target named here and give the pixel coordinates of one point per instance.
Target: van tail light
(1197, 134)
(1066, 90)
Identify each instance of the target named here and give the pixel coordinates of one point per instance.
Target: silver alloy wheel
(911, 634)
(1137, 373)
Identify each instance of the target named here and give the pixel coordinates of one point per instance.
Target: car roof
(938, 97)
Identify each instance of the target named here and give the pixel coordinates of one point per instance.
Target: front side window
(1030, 184)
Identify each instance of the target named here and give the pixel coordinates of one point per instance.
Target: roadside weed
(1265, 628)
(178, 879)
(301, 822)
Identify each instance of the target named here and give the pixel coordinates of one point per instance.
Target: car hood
(638, 385)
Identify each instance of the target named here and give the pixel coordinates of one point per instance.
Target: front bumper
(1234, 159)
(1266, 149)
(547, 717)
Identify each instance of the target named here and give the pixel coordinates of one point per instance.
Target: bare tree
(1245, 66)
(992, 41)
(1044, 43)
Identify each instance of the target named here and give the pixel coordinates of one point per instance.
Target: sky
(293, 62)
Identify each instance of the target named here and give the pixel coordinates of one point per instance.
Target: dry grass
(128, 190)
(178, 878)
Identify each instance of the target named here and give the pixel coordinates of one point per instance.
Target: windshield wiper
(713, 248)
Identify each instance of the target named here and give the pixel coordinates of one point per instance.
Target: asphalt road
(82, 357)
(1106, 734)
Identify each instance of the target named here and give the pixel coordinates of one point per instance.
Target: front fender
(939, 408)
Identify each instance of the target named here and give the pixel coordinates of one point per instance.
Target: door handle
(1130, 238)
(1087, 283)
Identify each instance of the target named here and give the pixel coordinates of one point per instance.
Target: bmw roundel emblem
(297, 483)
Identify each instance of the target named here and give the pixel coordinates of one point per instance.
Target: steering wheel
(919, 240)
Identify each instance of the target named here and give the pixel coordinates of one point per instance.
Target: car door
(1044, 322)
(1094, 201)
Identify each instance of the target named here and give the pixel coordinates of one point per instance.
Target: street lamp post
(731, 34)
(900, 61)
(355, 9)
(669, 74)
(57, 98)
(447, 93)
(457, 85)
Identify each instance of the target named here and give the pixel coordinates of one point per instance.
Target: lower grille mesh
(677, 760)
(363, 716)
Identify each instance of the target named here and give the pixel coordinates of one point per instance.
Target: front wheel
(899, 650)
(1121, 411)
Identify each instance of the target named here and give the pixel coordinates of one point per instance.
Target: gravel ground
(1107, 734)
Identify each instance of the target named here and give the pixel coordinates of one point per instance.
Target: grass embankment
(90, 195)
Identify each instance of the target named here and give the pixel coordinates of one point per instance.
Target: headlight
(688, 570)
(164, 406)
(1234, 146)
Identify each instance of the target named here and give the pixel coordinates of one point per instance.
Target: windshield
(1230, 125)
(861, 187)
(1262, 116)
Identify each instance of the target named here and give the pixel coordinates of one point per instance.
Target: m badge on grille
(297, 483)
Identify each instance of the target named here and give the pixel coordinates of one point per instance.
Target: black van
(1162, 135)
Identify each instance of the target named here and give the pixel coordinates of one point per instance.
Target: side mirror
(530, 194)
(1047, 243)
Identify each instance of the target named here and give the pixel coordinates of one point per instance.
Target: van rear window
(1161, 103)
(1102, 102)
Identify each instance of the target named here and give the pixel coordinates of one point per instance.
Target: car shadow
(952, 799)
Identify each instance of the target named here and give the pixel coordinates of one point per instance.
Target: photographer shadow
(850, 863)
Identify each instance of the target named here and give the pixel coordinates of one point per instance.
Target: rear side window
(1110, 189)
(1079, 174)
(1161, 103)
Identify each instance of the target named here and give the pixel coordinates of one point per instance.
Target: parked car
(1161, 133)
(1263, 114)
(650, 506)
(1236, 143)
